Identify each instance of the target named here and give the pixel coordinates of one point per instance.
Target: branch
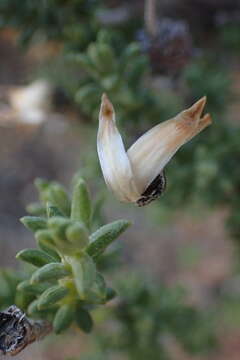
(17, 331)
(150, 17)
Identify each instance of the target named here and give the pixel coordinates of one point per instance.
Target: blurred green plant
(149, 320)
(72, 22)
(229, 36)
(124, 74)
(9, 280)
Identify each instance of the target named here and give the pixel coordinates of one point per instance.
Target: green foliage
(122, 74)
(9, 280)
(67, 280)
(53, 271)
(104, 236)
(84, 320)
(72, 22)
(229, 36)
(54, 194)
(81, 209)
(51, 296)
(207, 77)
(65, 291)
(144, 317)
(35, 257)
(63, 318)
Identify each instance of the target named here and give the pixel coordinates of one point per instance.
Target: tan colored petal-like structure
(152, 151)
(113, 158)
(129, 174)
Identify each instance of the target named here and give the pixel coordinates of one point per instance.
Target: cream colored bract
(129, 174)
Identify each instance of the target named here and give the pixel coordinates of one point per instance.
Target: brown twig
(150, 17)
(17, 331)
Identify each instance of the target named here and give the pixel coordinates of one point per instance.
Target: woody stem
(17, 331)
(150, 17)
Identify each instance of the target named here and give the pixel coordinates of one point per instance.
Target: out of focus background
(153, 59)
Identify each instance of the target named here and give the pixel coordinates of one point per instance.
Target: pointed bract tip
(106, 106)
(104, 97)
(195, 111)
(206, 120)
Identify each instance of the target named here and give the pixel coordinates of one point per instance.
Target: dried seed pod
(137, 175)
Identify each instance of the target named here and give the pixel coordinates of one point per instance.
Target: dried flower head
(137, 175)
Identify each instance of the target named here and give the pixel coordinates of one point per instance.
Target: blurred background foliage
(152, 65)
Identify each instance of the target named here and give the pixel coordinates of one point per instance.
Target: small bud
(59, 198)
(35, 257)
(81, 204)
(58, 225)
(52, 211)
(77, 234)
(55, 194)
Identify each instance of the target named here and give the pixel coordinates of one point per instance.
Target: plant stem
(150, 17)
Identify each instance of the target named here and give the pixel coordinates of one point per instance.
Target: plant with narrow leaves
(9, 280)
(144, 316)
(121, 73)
(66, 280)
(72, 22)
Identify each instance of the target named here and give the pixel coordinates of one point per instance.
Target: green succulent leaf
(110, 294)
(59, 198)
(51, 296)
(59, 225)
(46, 243)
(63, 318)
(53, 271)
(81, 209)
(34, 223)
(83, 319)
(104, 236)
(34, 311)
(36, 209)
(35, 257)
(35, 289)
(52, 210)
(33, 307)
(77, 234)
(84, 271)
